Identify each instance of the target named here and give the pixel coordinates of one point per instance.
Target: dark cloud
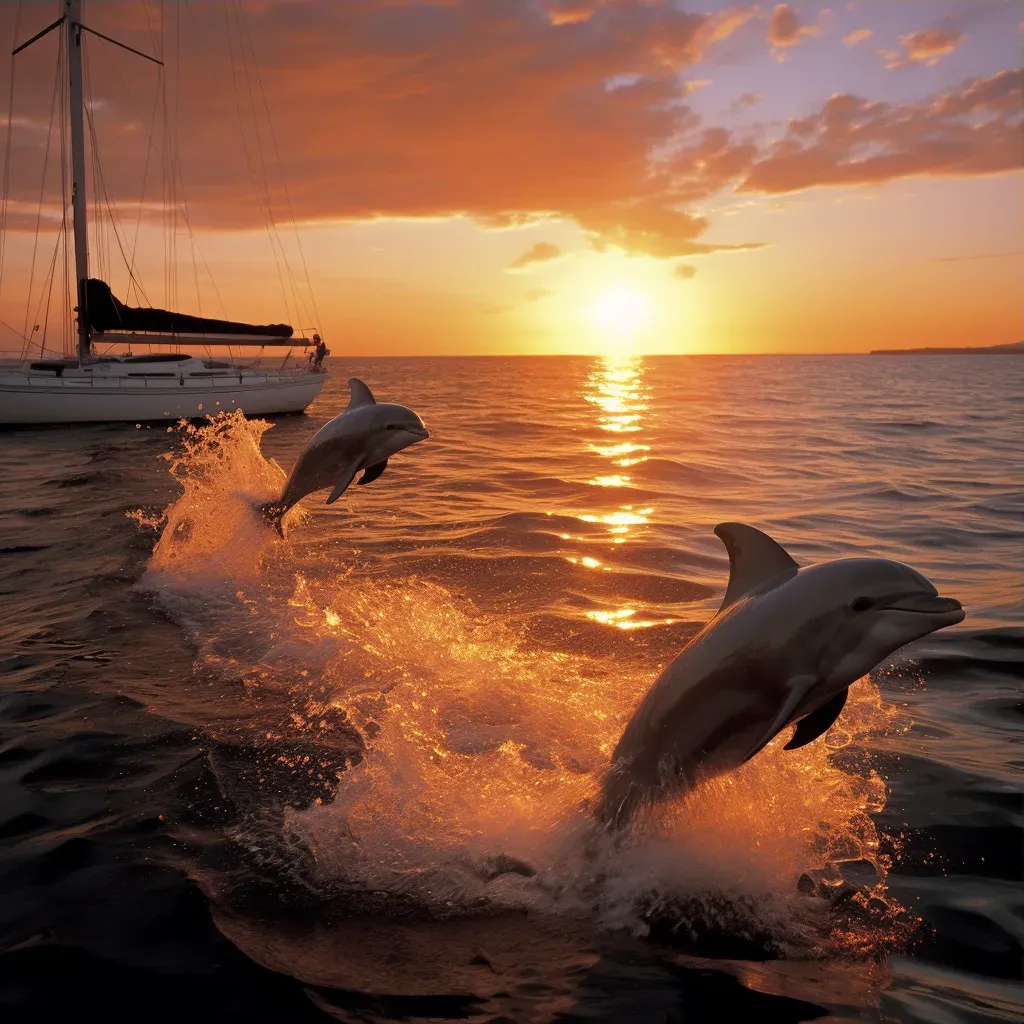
(784, 27)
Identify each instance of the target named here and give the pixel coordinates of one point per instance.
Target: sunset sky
(546, 176)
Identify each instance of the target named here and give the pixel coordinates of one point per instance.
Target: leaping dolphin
(784, 646)
(363, 438)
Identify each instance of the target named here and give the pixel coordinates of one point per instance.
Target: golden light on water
(615, 388)
(627, 449)
(467, 752)
(622, 618)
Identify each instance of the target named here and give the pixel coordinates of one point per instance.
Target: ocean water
(252, 778)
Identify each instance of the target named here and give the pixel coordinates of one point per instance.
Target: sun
(620, 314)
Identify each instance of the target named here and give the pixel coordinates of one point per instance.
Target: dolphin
(363, 438)
(783, 648)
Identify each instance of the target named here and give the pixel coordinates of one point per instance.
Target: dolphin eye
(862, 604)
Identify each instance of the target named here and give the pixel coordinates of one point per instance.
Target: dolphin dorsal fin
(361, 395)
(755, 560)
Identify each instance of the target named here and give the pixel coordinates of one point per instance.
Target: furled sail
(106, 313)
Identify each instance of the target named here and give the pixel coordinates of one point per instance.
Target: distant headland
(1015, 348)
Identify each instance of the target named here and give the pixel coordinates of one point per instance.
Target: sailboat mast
(73, 27)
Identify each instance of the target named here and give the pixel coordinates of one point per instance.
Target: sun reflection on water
(615, 388)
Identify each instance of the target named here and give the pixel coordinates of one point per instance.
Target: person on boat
(320, 350)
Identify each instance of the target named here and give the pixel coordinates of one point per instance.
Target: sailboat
(89, 387)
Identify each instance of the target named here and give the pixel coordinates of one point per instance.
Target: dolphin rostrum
(363, 438)
(784, 646)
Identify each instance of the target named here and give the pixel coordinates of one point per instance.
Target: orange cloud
(569, 12)
(857, 36)
(926, 47)
(542, 252)
(974, 129)
(684, 271)
(397, 110)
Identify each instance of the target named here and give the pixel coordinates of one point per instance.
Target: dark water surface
(251, 779)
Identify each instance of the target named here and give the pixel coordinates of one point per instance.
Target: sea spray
(476, 747)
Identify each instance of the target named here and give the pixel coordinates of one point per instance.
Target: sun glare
(620, 313)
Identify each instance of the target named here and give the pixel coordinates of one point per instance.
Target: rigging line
(165, 197)
(99, 227)
(245, 151)
(172, 148)
(150, 147)
(65, 180)
(14, 330)
(272, 233)
(184, 207)
(219, 87)
(175, 153)
(49, 295)
(280, 164)
(192, 241)
(184, 203)
(198, 248)
(299, 305)
(263, 200)
(115, 225)
(43, 293)
(154, 35)
(7, 155)
(42, 192)
(104, 189)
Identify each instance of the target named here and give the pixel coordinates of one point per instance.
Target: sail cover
(106, 313)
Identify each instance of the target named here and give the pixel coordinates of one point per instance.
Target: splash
(211, 532)
(480, 756)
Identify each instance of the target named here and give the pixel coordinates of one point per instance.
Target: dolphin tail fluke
(272, 513)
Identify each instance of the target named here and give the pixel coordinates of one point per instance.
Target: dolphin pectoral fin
(344, 480)
(755, 560)
(372, 472)
(361, 395)
(811, 726)
(799, 687)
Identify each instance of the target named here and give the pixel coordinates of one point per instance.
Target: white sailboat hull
(28, 397)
